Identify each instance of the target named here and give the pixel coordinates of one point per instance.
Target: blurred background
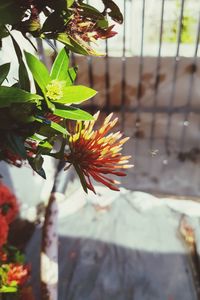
(150, 79)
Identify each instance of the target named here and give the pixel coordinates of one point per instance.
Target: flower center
(55, 90)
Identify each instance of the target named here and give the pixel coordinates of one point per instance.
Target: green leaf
(8, 289)
(91, 12)
(69, 3)
(60, 66)
(113, 11)
(81, 177)
(52, 124)
(16, 144)
(4, 70)
(36, 164)
(76, 45)
(72, 45)
(58, 128)
(17, 48)
(3, 32)
(24, 82)
(23, 77)
(19, 257)
(38, 70)
(53, 23)
(44, 145)
(9, 95)
(103, 23)
(58, 4)
(76, 94)
(72, 113)
(71, 76)
(50, 105)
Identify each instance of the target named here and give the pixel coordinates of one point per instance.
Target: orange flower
(17, 274)
(96, 154)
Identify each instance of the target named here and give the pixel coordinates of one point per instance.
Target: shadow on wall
(95, 270)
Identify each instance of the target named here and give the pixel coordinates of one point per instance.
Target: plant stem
(49, 252)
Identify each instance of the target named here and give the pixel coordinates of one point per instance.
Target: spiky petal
(97, 154)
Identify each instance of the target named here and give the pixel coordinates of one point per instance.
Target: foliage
(31, 122)
(187, 27)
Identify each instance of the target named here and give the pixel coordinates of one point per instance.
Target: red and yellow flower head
(97, 153)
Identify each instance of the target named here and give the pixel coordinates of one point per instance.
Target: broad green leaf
(38, 70)
(72, 113)
(9, 95)
(76, 94)
(4, 70)
(60, 66)
(72, 72)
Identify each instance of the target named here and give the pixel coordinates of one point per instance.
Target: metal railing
(156, 110)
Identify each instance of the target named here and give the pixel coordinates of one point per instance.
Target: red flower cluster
(8, 212)
(12, 271)
(3, 231)
(84, 28)
(8, 204)
(17, 274)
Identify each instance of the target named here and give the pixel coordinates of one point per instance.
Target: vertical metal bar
(107, 78)
(176, 60)
(157, 77)
(139, 90)
(123, 80)
(90, 68)
(190, 90)
(90, 72)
